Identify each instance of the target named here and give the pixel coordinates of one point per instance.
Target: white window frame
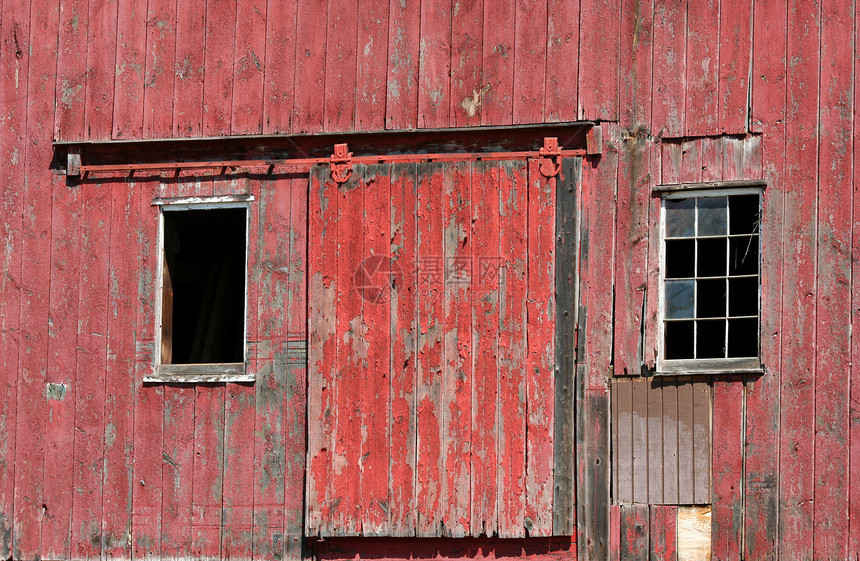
(198, 373)
(703, 365)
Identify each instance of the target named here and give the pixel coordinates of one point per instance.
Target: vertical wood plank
(854, 386)
(430, 458)
(599, 29)
(271, 271)
(592, 517)
(62, 352)
(670, 444)
(691, 161)
(190, 33)
(686, 448)
(797, 422)
(566, 283)
(702, 442)
(129, 77)
(149, 400)
(178, 470)
(467, 90)
(351, 356)
(208, 466)
(622, 402)
(457, 376)
(249, 67)
(295, 418)
(530, 63)
(498, 62)
(14, 29)
(634, 532)
(322, 346)
(656, 420)
(734, 55)
(238, 503)
(663, 533)
(562, 62)
(371, 89)
(635, 64)
(375, 187)
(650, 343)
(281, 53)
(401, 96)
(120, 380)
(669, 84)
(161, 44)
(32, 351)
(833, 321)
(99, 76)
(540, 313)
(639, 439)
(309, 85)
(434, 64)
(727, 513)
(340, 62)
(404, 331)
(71, 118)
(91, 368)
(703, 64)
(513, 193)
(712, 158)
(632, 214)
(218, 66)
(485, 342)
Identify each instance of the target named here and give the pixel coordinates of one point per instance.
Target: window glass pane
(679, 339)
(680, 258)
(711, 257)
(711, 339)
(679, 217)
(711, 301)
(679, 299)
(712, 216)
(743, 296)
(743, 337)
(743, 255)
(744, 212)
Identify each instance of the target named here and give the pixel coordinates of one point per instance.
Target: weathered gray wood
(564, 514)
(201, 373)
(740, 183)
(592, 492)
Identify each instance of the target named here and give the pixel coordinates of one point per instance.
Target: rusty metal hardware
(550, 157)
(341, 163)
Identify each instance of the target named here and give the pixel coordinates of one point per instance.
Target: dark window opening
(711, 286)
(203, 296)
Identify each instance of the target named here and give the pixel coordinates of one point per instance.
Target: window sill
(710, 366)
(200, 373)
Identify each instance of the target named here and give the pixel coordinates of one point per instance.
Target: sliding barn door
(432, 352)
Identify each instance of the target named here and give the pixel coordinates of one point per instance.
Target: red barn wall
(94, 463)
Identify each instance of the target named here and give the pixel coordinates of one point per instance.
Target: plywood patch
(694, 533)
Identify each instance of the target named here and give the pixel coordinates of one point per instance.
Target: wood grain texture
(218, 79)
(249, 67)
(832, 357)
(162, 38)
(727, 521)
(371, 88)
(703, 68)
(736, 18)
(187, 69)
(599, 26)
(562, 62)
(498, 70)
(340, 65)
(513, 197)
(310, 68)
(434, 78)
(635, 62)
(72, 86)
(663, 533)
(401, 95)
(530, 60)
(669, 83)
(797, 415)
(129, 75)
(634, 532)
(281, 52)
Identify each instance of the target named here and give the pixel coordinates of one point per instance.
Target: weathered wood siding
(432, 317)
(685, 89)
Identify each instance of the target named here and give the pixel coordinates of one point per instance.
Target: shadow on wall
(444, 548)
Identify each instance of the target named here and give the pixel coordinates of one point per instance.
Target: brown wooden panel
(640, 441)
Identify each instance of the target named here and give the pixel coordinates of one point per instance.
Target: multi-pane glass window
(711, 274)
